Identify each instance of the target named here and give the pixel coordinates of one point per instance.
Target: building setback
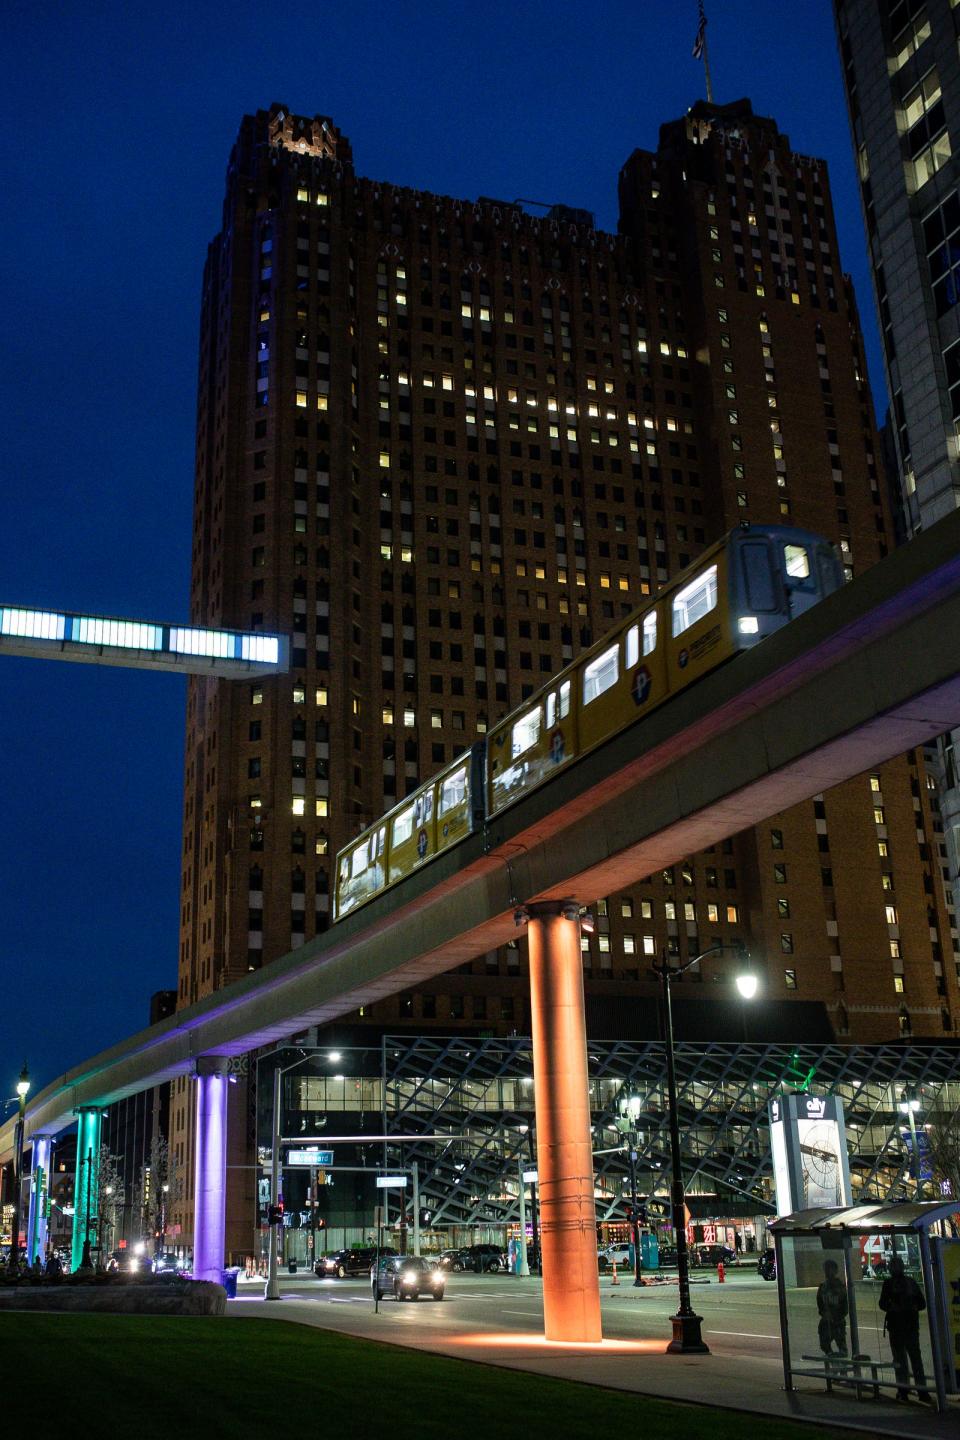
(901, 72)
(447, 443)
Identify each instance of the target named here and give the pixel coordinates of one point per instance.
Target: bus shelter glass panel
(817, 1304)
(896, 1337)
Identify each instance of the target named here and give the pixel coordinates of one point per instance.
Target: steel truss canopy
(141, 644)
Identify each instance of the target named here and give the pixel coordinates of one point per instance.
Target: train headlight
(748, 625)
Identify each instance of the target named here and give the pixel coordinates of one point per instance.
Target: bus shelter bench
(851, 1370)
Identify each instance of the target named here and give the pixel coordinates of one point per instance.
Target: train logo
(557, 747)
(682, 659)
(641, 685)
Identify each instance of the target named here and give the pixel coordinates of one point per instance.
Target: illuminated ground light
(517, 1340)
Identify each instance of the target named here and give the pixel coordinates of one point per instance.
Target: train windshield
(632, 645)
(695, 600)
(358, 862)
(453, 791)
(797, 562)
(601, 673)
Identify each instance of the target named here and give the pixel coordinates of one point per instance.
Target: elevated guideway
(870, 672)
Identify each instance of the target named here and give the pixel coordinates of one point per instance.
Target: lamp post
(23, 1086)
(687, 1338)
(630, 1108)
(909, 1106)
(272, 1287)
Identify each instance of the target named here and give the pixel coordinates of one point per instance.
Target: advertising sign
(809, 1150)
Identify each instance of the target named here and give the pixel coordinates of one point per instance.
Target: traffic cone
(615, 1280)
(721, 1273)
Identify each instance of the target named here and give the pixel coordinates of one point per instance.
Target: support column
(86, 1188)
(210, 1168)
(39, 1190)
(568, 1222)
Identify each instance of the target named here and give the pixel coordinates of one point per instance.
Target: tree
(942, 1130)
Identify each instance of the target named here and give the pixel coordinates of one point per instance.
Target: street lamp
(23, 1086)
(687, 1338)
(272, 1287)
(909, 1106)
(630, 1108)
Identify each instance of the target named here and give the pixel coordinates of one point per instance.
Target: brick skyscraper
(446, 443)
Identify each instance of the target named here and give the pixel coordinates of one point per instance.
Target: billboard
(809, 1148)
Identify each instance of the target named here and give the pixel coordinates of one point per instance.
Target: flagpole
(706, 70)
(700, 49)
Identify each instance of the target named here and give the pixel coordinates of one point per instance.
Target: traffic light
(425, 1217)
(275, 1214)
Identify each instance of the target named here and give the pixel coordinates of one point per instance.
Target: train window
(601, 673)
(631, 648)
(423, 808)
(453, 791)
(526, 732)
(551, 709)
(564, 699)
(344, 868)
(695, 600)
(797, 561)
(358, 862)
(403, 826)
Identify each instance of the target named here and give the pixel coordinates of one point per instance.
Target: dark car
(767, 1265)
(713, 1254)
(354, 1261)
(407, 1277)
(484, 1259)
(668, 1256)
(450, 1260)
(167, 1263)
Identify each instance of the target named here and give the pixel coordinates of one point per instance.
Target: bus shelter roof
(866, 1219)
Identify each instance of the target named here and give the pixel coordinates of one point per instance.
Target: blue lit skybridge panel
(141, 644)
(32, 624)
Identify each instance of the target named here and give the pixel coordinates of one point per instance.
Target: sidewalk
(503, 1334)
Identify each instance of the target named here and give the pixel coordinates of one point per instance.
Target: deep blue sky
(119, 121)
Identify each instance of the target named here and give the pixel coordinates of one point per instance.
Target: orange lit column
(568, 1228)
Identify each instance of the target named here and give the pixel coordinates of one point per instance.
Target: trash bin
(229, 1280)
(292, 1267)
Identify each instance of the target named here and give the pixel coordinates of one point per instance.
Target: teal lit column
(85, 1185)
(39, 1190)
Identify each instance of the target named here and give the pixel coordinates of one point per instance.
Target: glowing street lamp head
(747, 984)
(23, 1084)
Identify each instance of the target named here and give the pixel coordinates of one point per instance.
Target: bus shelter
(848, 1281)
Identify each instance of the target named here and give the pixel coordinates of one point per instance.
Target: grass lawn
(153, 1376)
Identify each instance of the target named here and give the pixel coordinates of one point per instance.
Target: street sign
(384, 1182)
(311, 1156)
(530, 1177)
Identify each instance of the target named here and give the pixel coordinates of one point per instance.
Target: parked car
(450, 1260)
(618, 1255)
(407, 1277)
(713, 1254)
(354, 1261)
(668, 1256)
(485, 1258)
(767, 1265)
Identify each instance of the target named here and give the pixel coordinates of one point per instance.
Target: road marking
(745, 1334)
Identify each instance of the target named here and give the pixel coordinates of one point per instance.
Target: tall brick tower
(446, 443)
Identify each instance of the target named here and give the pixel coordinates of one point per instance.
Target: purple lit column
(210, 1175)
(39, 1189)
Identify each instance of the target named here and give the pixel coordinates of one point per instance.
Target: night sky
(119, 122)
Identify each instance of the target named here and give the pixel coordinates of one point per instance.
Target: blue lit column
(39, 1190)
(86, 1187)
(210, 1172)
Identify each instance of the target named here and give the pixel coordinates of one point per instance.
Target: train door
(759, 602)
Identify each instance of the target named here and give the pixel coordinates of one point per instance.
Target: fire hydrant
(721, 1273)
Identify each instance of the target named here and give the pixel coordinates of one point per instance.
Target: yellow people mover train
(743, 588)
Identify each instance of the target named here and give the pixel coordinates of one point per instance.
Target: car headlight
(409, 1277)
(437, 1276)
(748, 625)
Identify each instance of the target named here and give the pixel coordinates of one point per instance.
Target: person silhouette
(832, 1308)
(901, 1300)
